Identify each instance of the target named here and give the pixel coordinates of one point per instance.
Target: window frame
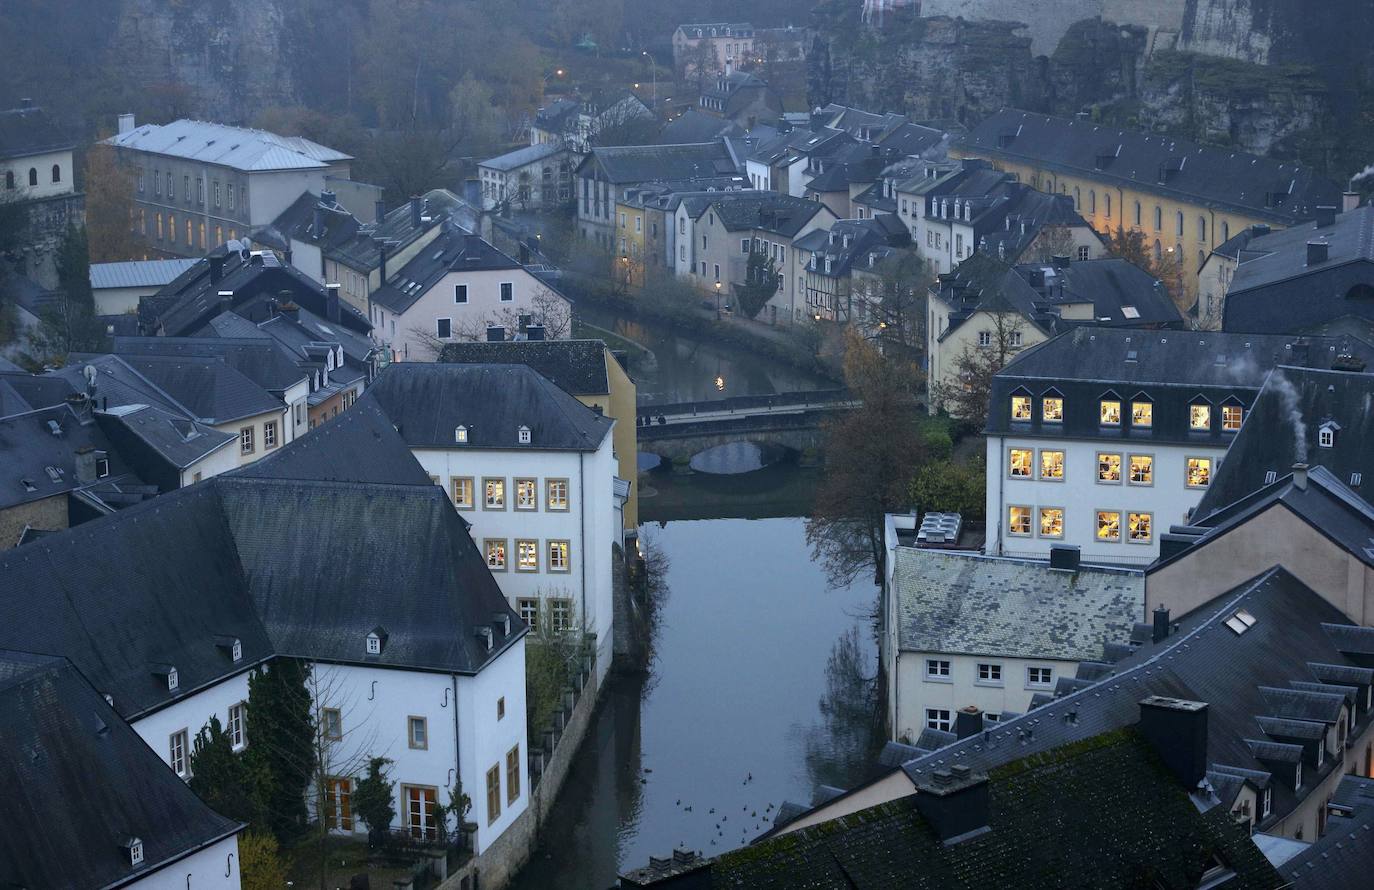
(504, 543)
(179, 752)
(333, 736)
(1030, 463)
(522, 545)
(247, 442)
(553, 544)
(1102, 412)
(1130, 469)
(549, 485)
(506, 292)
(1120, 467)
(1098, 514)
(513, 775)
(443, 328)
(935, 722)
(471, 502)
(1047, 683)
(936, 676)
(1044, 416)
(1194, 408)
(422, 743)
(1149, 407)
(533, 484)
(1226, 426)
(1021, 402)
(460, 295)
(989, 674)
(235, 725)
(532, 617)
(493, 794)
(487, 502)
(1040, 464)
(1187, 471)
(1040, 523)
(1131, 538)
(1011, 529)
(269, 435)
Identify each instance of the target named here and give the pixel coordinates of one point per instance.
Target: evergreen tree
(219, 776)
(281, 756)
(760, 284)
(372, 800)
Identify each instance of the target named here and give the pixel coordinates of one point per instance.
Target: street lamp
(653, 72)
(717, 301)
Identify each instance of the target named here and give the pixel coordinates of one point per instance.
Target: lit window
(177, 749)
(557, 494)
(558, 556)
(1051, 522)
(1199, 472)
(938, 718)
(1108, 525)
(246, 440)
(332, 718)
(526, 556)
(1200, 417)
(1140, 527)
(1052, 409)
(1231, 416)
(1142, 469)
(496, 554)
(1142, 414)
(236, 725)
(418, 734)
(1020, 408)
(1108, 468)
(937, 669)
(1039, 676)
(1019, 520)
(462, 492)
(526, 494)
(1021, 463)
(1052, 465)
(989, 673)
(495, 494)
(1110, 412)
(460, 435)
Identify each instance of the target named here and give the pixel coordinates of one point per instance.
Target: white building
(962, 630)
(117, 287)
(1105, 438)
(535, 177)
(37, 172)
(533, 473)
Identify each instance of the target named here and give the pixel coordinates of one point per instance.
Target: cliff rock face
(219, 60)
(1045, 21)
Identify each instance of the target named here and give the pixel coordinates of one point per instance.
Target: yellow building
(641, 235)
(1185, 198)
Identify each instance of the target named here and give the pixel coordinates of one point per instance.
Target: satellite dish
(89, 372)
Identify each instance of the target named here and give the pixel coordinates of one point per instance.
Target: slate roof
(206, 389)
(453, 251)
(578, 367)
(397, 229)
(1281, 255)
(240, 148)
(552, 117)
(256, 358)
(911, 139)
(1214, 177)
(29, 131)
(1048, 828)
(751, 210)
(1343, 857)
(28, 448)
(865, 235)
(427, 402)
(970, 604)
(514, 160)
(79, 782)
(1283, 428)
(697, 126)
(630, 164)
(288, 567)
(137, 273)
(297, 222)
(148, 433)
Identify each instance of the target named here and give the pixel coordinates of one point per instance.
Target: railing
(751, 404)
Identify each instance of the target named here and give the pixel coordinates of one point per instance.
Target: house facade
(707, 48)
(536, 177)
(37, 170)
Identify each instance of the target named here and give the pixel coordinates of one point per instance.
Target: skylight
(1130, 311)
(1240, 622)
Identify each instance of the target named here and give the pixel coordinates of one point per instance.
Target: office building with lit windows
(1105, 438)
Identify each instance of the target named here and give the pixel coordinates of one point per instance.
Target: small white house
(117, 287)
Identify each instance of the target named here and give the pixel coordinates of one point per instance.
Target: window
(494, 494)
(1202, 228)
(1199, 472)
(493, 794)
(420, 811)
(460, 293)
(460, 488)
(33, 176)
(1052, 465)
(989, 673)
(338, 797)
(246, 440)
(523, 434)
(1040, 676)
(1142, 414)
(1108, 467)
(937, 669)
(501, 708)
(171, 228)
(1021, 463)
(559, 557)
(1142, 469)
(1200, 417)
(269, 434)
(200, 191)
(526, 556)
(1178, 227)
(1084, 253)
(1108, 525)
(201, 230)
(1019, 521)
(556, 494)
(417, 732)
(9, 179)
(560, 612)
(938, 718)
(1137, 213)
(1159, 219)
(216, 192)
(1110, 412)
(443, 328)
(985, 338)
(744, 246)
(235, 727)
(529, 611)
(332, 718)
(526, 494)
(496, 554)
(1267, 803)
(188, 231)
(1052, 409)
(56, 173)
(512, 774)
(177, 749)
(1020, 408)
(1051, 522)
(231, 196)
(1326, 437)
(1092, 200)
(1140, 527)
(1231, 416)
(507, 292)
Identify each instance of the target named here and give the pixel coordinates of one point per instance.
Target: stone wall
(1045, 21)
(49, 514)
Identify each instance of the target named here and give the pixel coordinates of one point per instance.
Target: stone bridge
(679, 441)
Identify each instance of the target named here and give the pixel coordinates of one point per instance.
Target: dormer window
(376, 641)
(1200, 417)
(1021, 408)
(236, 651)
(1326, 434)
(1297, 776)
(1266, 803)
(173, 681)
(460, 435)
(524, 435)
(134, 848)
(231, 646)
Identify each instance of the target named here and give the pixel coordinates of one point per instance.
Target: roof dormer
(523, 433)
(376, 640)
(1326, 434)
(133, 848)
(460, 435)
(168, 674)
(231, 646)
(486, 636)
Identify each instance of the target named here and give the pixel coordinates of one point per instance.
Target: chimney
(226, 300)
(1300, 476)
(954, 802)
(329, 199)
(85, 465)
(496, 333)
(126, 123)
(1061, 261)
(331, 302)
(1317, 252)
(1037, 278)
(216, 268)
(381, 263)
(25, 103)
(1161, 625)
(1064, 557)
(290, 311)
(317, 224)
(81, 406)
(415, 211)
(1326, 216)
(1178, 731)
(534, 332)
(1259, 230)
(1350, 201)
(968, 721)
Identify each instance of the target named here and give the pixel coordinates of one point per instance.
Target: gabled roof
(1216, 177)
(203, 388)
(427, 402)
(1343, 857)
(38, 456)
(514, 160)
(1281, 255)
(137, 273)
(696, 126)
(751, 210)
(578, 367)
(399, 229)
(630, 164)
(970, 604)
(79, 782)
(453, 251)
(30, 130)
(256, 358)
(240, 148)
(298, 223)
(1121, 294)
(163, 436)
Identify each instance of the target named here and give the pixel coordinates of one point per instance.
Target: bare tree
(545, 307)
(964, 393)
(1053, 241)
(890, 301)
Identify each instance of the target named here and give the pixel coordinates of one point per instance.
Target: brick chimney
(126, 123)
(954, 802)
(968, 721)
(1160, 633)
(1178, 730)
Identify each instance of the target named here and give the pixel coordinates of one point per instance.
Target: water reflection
(736, 458)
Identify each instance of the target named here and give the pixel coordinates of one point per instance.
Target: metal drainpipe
(1001, 495)
(457, 763)
(582, 521)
